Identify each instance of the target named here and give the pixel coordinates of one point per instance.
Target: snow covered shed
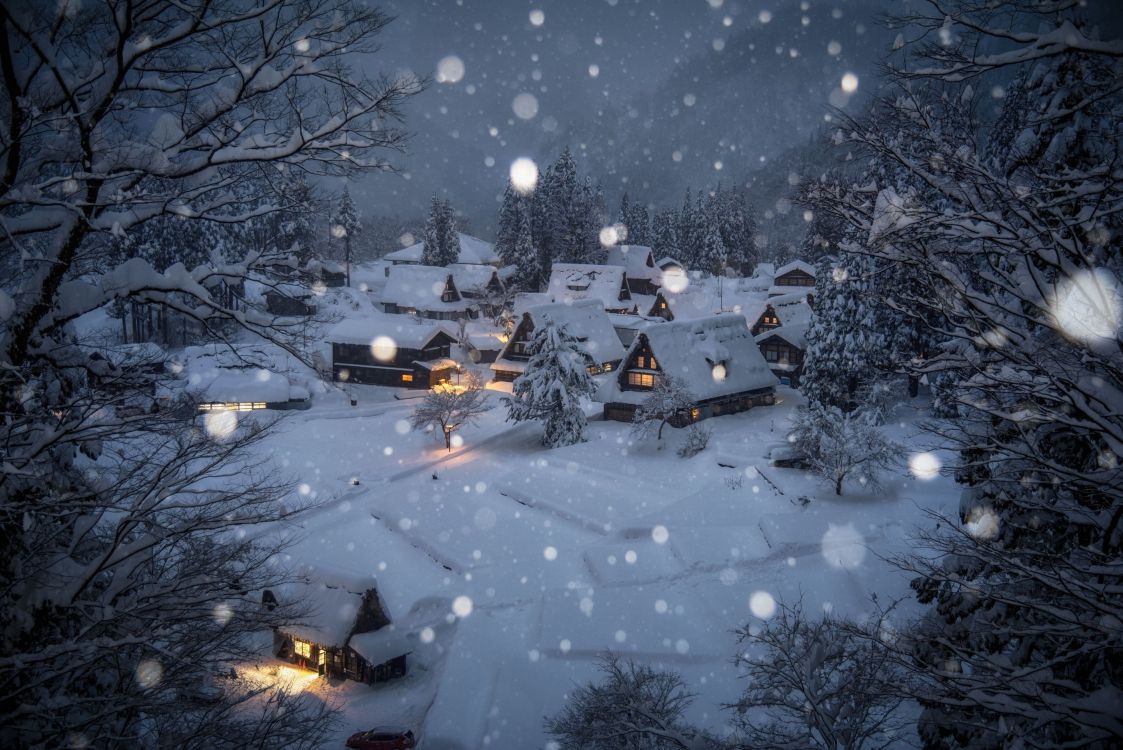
(644, 277)
(585, 320)
(473, 251)
(572, 282)
(716, 358)
(667, 262)
(391, 350)
(425, 291)
(246, 390)
(346, 635)
(289, 300)
(794, 274)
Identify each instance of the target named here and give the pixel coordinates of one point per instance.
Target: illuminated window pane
(407, 377)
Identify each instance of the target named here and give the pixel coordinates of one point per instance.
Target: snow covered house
(667, 262)
(482, 284)
(794, 274)
(327, 272)
(715, 357)
(391, 350)
(653, 305)
(346, 635)
(425, 291)
(572, 282)
(763, 317)
(644, 277)
(246, 390)
(783, 345)
(473, 251)
(586, 320)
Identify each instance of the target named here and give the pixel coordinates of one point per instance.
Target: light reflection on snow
(843, 546)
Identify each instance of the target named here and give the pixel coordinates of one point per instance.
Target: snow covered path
(567, 553)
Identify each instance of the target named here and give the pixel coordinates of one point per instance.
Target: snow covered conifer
(713, 252)
(295, 229)
(441, 242)
(633, 215)
(514, 240)
(553, 386)
(664, 235)
(346, 226)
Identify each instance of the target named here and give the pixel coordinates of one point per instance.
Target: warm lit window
(662, 305)
(651, 363)
(640, 360)
(695, 413)
(641, 379)
(302, 648)
(607, 367)
(407, 377)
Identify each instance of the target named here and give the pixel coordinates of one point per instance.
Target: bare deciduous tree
(451, 407)
(669, 399)
(837, 444)
(819, 683)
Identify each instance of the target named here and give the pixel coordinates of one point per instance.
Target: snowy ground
(566, 553)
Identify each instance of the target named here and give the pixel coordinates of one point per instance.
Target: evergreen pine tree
(664, 239)
(441, 241)
(552, 386)
(294, 224)
(346, 226)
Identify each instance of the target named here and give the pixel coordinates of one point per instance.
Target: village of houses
(503, 565)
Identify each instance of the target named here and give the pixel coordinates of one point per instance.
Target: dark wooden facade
(794, 278)
(355, 363)
(766, 322)
(449, 294)
(660, 308)
(340, 661)
(784, 358)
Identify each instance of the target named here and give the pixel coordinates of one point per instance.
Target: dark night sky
(680, 85)
(685, 92)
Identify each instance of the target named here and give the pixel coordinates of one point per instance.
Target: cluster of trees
(974, 234)
(559, 220)
(712, 231)
(131, 577)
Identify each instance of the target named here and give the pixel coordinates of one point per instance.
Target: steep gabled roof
(339, 604)
(421, 287)
(636, 260)
(472, 278)
(692, 350)
(472, 250)
(570, 282)
(586, 320)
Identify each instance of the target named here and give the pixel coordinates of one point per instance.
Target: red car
(382, 738)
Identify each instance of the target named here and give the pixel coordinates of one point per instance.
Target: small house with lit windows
(392, 350)
(715, 357)
(585, 320)
(575, 282)
(341, 627)
(792, 277)
(653, 305)
(766, 319)
(245, 389)
(644, 277)
(427, 292)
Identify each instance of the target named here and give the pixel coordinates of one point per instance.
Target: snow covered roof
(405, 330)
(667, 261)
(526, 300)
(334, 599)
(796, 335)
(403, 636)
(472, 278)
(692, 350)
(586, 320)
(795, 265)
(239, 386)
(636, 260)
(420, 288)
(472, 250)
(765, 269)
(570, 282)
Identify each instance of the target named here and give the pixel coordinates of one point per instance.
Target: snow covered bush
(837, 444)
(818, 683)
(553, 386)
(669, 399)
(634, 707)
(697, 438)
(449, 407)
(128, 583)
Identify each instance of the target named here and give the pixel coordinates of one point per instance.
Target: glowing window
(641, 379)
(407, 377)
(695, 413)
(302, 648)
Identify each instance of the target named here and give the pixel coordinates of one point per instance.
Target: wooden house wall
(795, 277)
